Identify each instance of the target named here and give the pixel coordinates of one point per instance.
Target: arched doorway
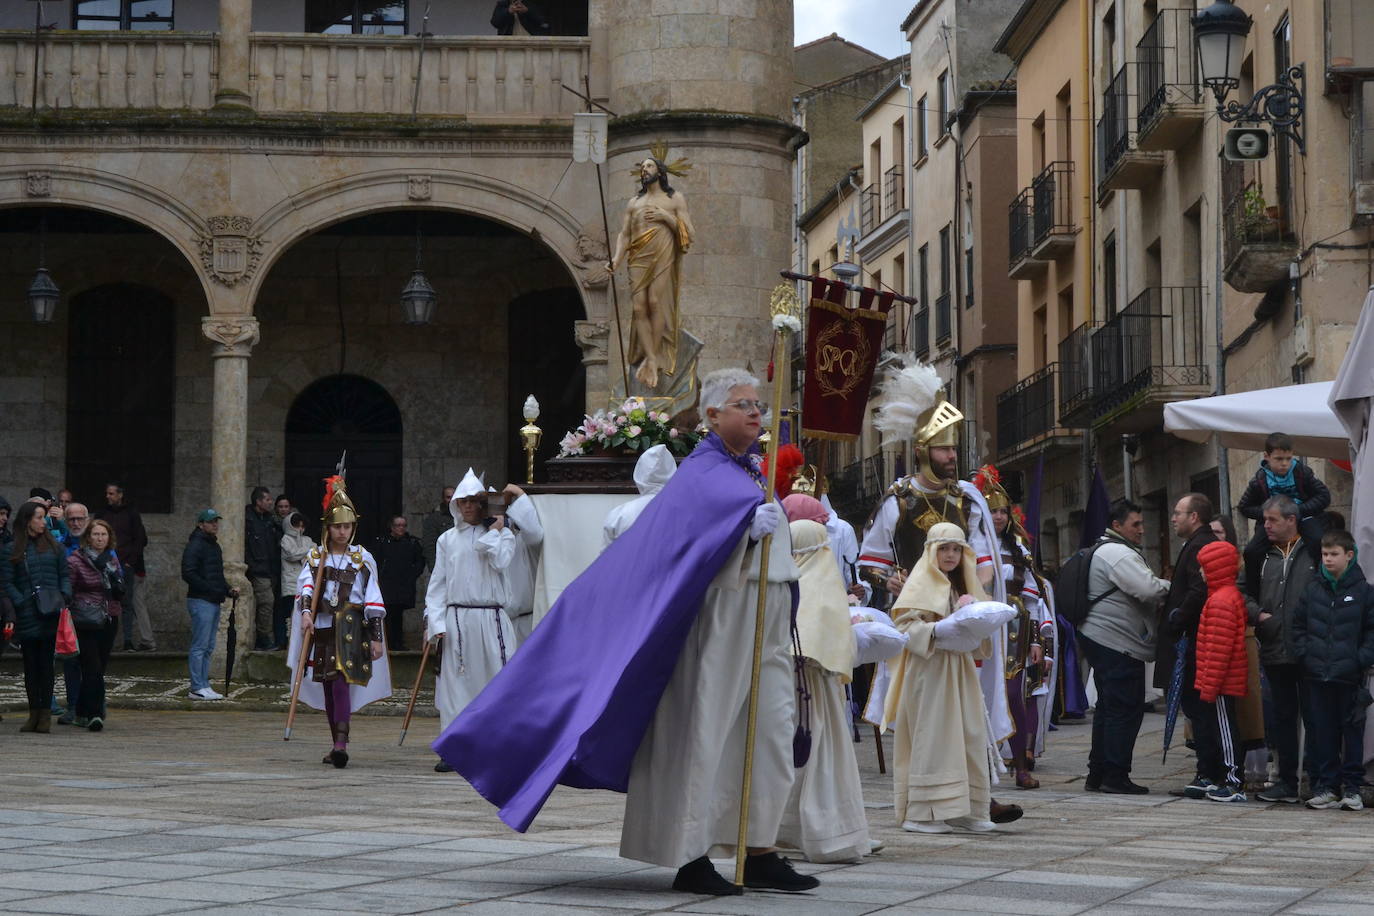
(545, 361)
(341, 413)
(121, 390)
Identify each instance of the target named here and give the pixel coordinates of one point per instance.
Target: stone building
(231, 196)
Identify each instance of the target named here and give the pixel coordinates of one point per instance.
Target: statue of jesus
(655, 234)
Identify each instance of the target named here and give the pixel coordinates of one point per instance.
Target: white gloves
(766, 519)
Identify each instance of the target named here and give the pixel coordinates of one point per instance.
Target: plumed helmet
(338, 508)
(988, 480)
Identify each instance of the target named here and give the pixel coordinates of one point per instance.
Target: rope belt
(500, 633)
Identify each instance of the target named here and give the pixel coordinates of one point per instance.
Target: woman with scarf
(97, 585)
(825, 816)
(941, 767)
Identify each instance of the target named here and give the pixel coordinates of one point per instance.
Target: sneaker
(67, 718)
(1351, 801)
(1279, 792)
(81, 722)
(1226, 794)
(926, 827)
(1198, 788)
(205, 693)
(773, 872)
(1324, 799)
(96, 724)
(876, 846)
(972, 825)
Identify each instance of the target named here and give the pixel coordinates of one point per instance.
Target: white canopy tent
(1243, 420)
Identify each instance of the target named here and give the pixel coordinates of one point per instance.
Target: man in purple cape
(638, 678)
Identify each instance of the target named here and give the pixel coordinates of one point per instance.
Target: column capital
(232, 335)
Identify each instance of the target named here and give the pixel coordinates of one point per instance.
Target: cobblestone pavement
(210, 811)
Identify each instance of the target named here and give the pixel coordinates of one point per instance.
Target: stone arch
(109, 192)
(303, 214)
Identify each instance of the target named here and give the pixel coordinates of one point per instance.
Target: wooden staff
(305, 641)
(414, 692)
(741, 848)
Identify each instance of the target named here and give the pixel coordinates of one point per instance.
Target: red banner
(842, 348)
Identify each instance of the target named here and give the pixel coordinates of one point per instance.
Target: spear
(785, 308)
(415, 692)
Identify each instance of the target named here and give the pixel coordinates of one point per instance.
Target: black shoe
(1122, 785)
(772, 871)
(337, 757)
(1092, 782)
(999, 813)
(699, 876)
(1279, 792)
(442, 767)
(128, 646)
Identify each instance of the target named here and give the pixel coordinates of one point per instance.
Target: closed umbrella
(1175, 695)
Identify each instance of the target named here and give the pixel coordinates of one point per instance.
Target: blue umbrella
(1175, 696)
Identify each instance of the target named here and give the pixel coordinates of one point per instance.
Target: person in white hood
(653, 470)
(466, 600)
(524, 563)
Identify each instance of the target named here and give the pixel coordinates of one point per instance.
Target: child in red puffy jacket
(1221, 662)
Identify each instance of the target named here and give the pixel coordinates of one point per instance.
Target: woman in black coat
(36, 564)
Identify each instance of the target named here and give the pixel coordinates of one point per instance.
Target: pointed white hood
(654, 469)
(470, 485)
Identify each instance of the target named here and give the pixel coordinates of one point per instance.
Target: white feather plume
(907, 393)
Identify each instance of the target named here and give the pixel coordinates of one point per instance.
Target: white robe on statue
(366, 593)
(465, 602)
(684, 793)
(524, 563)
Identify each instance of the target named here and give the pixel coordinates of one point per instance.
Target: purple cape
(574, 703)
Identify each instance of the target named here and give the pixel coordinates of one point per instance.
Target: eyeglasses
(77, 518)
(747, 406)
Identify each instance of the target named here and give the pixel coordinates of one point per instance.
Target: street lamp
(418, 297)
(1220, 31)
(43, 292)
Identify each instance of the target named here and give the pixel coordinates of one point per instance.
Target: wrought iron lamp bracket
(1280, 104)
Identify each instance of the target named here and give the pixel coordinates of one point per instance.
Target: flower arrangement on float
(630, 428)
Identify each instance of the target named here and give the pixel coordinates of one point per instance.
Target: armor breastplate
(345, 578)
(918, 511)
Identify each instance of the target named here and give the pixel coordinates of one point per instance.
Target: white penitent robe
(940, 744)
(684, 793)
(524, 562)
(825, 816)
(465, 602)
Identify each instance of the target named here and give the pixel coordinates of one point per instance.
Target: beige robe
(940, 742)
(684, 793)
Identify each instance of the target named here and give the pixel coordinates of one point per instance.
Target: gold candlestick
(530, 436)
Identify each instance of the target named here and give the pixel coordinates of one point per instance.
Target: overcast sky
(875, 24)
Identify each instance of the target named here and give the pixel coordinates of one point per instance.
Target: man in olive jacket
(1274, 593)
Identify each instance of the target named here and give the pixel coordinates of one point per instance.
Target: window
(899, 275)
(923, 275)
(922, 128)
(355, 17)
(1108, 278)
(944, 261)
(942, 88)
(968, 278)
(123, 15)
(1283, 148)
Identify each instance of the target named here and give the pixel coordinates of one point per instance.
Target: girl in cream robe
(941, 768)
(825, 815)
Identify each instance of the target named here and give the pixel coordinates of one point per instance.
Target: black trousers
(1284, 714)
(1120, 683)
(1337, 730)
(96, 643)
(38, 668)
(394, 624)
(1214, 735)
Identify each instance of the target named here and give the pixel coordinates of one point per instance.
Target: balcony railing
(1113, 128)
(870, 209)
(1075, 373)
(491, 77)
(1019, 227)
(942, 318)
(1259, 245)
(892, 191)
(920, 331)
(1166, 66)
(1156, 341)
(1052, 192)
(1027, 409)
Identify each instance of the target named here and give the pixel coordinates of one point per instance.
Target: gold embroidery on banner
(848, 361)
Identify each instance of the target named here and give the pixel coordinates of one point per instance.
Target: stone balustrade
(496, 78)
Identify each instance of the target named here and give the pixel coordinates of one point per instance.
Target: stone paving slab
(210, 812)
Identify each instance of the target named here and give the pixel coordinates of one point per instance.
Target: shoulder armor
(313, 558)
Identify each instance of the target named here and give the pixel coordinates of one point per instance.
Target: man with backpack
(1116, 605)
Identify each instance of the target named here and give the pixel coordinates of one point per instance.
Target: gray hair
(716, 386)
(1284, 504)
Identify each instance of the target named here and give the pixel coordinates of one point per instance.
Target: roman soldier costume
(347, 615)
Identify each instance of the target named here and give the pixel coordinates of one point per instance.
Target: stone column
(235, 24)
(234, 337)
(713, 80)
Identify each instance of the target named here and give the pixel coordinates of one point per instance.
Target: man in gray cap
(202, 568)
